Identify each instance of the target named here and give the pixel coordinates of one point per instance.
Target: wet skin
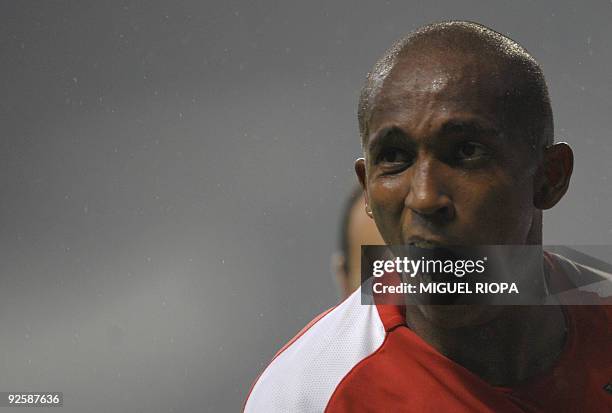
(444, 166)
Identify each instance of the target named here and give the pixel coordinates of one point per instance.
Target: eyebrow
(384, 136)
(469, 126)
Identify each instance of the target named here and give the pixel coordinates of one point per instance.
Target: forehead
(427, 89)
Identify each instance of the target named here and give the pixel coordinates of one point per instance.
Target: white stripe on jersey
(304, 376)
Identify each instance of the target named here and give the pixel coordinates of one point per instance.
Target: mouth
(428, 245)
(432, 250)
(423, 243)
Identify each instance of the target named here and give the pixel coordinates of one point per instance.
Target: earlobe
(360, 170)
(554, 175)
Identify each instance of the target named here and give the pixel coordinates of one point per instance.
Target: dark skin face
(442, 167)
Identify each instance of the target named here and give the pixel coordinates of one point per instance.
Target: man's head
(457, 134)
(523, 95)
(356, 229)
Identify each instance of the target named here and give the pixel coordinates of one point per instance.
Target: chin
(458, 316)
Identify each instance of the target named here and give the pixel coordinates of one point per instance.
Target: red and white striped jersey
(363, 358)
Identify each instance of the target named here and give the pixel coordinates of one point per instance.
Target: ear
(338, 265)
(360, 170)
(554, 175)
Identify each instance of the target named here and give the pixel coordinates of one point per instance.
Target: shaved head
(459, 51)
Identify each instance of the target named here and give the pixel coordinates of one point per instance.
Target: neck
(517, 344)
(503, 345)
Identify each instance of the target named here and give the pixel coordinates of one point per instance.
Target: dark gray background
(172, 174)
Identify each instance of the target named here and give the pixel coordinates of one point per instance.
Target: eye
(394, 156)
(471, 150)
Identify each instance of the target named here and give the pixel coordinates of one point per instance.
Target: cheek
(502, 211)
(387, 203)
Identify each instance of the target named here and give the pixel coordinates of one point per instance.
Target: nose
(427, 196)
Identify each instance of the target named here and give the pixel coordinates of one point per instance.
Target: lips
(430, 249)
(425, 243)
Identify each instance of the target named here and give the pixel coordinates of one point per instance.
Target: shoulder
(580, 283)
(305, 372)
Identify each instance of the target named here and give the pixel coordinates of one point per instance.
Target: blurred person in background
(356, 229)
